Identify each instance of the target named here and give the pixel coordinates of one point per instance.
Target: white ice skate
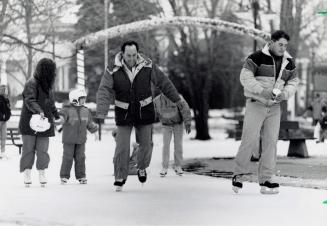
(269, 188)
(178, 171)
(163, 172)
(237, 184)
(42, 178)
(64, 181)
(27, 178)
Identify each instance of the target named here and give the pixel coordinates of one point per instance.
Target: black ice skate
(119, 185)
(269, 188)
(82, 180)
(237, 184)
(141, 175)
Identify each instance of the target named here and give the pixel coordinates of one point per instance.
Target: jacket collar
(141, 59)
(265, 50)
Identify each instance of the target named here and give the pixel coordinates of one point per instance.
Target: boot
(42, 178)
(27, 177)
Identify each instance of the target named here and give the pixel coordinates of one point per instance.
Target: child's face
(82, 100)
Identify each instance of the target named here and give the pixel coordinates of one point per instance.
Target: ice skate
(64, 181)
(178, 170)
(237, 184)
(269, 188)
(82, 180)
(141, 175)
(3, 156)
(163, 172)
(27, 178)
(119, 185)
(42, 178)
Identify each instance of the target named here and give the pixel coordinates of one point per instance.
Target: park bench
(14, 138)
(289, 131)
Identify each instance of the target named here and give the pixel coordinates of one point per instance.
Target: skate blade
(268, 191)
(163, 175)
(236, 189)
(43, 185)
(119, 188)
(27, 185)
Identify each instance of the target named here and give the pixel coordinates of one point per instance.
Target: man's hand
(279, 98)
(42, 114)
(267, 94)
(188, 127)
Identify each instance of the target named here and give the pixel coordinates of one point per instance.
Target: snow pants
(267, 119)
(122, 152)
(167, 132)
(76, 153)
(34, 145)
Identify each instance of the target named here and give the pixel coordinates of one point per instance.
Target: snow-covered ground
(174, 200)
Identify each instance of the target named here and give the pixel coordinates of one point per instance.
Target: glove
(42, 114)
(267, 94)
(188, 127)
(59, 121)
(279, 98)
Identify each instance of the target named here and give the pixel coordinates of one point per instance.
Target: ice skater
(268, 77)
(76, 120)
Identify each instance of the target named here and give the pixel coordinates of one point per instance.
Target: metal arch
(145, 25)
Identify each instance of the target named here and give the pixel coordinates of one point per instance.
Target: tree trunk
(201, 116)
(28, 18)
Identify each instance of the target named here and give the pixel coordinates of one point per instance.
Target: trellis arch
(146, 25)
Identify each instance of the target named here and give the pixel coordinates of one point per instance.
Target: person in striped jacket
(269, 77)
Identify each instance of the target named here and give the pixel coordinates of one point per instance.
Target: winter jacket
(35, 101)
(133, 99)
(323, 122)
(77, 120)
(258, 73)
(168, 112)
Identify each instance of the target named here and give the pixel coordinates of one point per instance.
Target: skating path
(174, 200)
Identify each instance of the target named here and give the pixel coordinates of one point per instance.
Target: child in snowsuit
(76, 119)
(172, 121)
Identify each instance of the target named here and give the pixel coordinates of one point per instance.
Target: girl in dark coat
(38, 99)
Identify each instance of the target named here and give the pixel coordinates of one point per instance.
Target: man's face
(130, 55)
(279, 47)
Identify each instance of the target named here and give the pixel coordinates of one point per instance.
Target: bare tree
(199, 55)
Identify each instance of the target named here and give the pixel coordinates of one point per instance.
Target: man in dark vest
(127, 85)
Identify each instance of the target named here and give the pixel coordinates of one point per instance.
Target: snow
(173, 200)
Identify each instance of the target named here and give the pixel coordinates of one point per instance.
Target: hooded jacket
(133, 99)
(259, 73)
(77, 120)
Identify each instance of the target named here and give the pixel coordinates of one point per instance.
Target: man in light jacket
(268, 77)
